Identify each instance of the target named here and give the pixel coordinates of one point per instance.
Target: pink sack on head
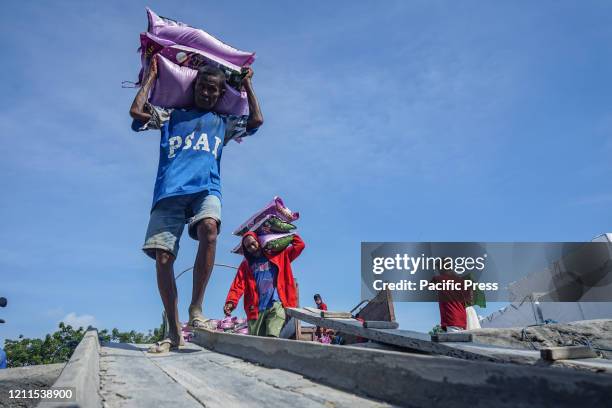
(275, 207)
(174, 89)
(181, 33)
(174, 85)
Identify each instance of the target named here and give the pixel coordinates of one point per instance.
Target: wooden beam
(416, 380)
(379, 308)
(567, 353)
(420, 342)
(298, 324)
(378, 324)
(329, 314)
(451, 337)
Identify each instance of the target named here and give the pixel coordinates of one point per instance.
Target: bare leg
(164, 263)
(205, 259)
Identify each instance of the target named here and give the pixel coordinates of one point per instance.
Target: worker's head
(209, 87)
(250, 244)
(317, 299)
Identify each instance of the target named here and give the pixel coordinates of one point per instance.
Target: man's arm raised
(138, 111)
(255, 117)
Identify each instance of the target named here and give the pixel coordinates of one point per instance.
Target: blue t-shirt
(265, 272)
(190, 149)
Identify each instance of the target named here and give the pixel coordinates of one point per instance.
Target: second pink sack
(181, 33)
(174, 89)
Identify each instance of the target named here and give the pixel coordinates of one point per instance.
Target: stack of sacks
(233, 325)
(228, 325)
(180, 50)
(273, 227)
(186, 332)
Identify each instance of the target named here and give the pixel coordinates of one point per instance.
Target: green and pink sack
(275, 208)
(270, 242)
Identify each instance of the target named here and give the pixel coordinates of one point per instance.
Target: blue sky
(412, 121)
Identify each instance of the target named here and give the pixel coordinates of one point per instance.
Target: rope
(190, 268)
(129, 84)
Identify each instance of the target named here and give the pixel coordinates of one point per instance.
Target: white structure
(529, 311)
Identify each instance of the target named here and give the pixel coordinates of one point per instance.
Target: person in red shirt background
(452, 303)
(320, 306)
(319, 302)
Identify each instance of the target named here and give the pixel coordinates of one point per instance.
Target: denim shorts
(169, 216)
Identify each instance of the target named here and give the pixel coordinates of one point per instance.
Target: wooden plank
(451, 337)
(379, 308)
(419, 341)
(220, 381)
(378, 324)
(329, 313)
(335, 315)
(307, 333)
(417, 380)
(567, 353)
(129, 378)
(298, 323)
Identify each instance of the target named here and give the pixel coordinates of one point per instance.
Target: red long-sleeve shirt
(244, 282)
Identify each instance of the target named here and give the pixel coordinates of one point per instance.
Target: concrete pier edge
(83, 373)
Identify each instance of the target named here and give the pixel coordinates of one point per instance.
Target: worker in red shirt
(453, 316)
(319, 302)
(320, 306)
(267, 283)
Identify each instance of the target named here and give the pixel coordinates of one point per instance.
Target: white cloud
(54, 312)
(76, 321)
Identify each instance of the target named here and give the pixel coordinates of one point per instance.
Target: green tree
(54, 348)
(115, 336)
(59, 346)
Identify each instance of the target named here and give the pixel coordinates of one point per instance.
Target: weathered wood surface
(380, 324)
(196, 377)
(567, 353)
(330, 314)
(129, 378)
(420, 342)
(418, 380)
(451, 337)
(379, 308)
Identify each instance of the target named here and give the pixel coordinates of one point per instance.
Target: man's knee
(207, 231)
(164, 258)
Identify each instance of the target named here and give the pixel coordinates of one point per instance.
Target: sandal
(198, 321)
(167, 333)
(163, 346)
